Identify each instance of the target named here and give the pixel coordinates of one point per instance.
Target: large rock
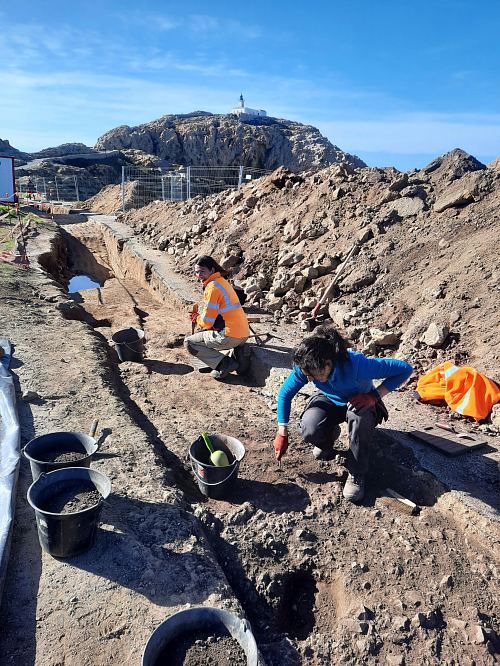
(407, 206)
(435, 336)
(201, 138)
(461, 192)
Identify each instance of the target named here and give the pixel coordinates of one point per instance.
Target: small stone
(400, 623)
(364, 235)
(30, 396)
(477, 635)
(457, 623)
(446, 582)
(495, 416)
(364, 613)
(383, 338)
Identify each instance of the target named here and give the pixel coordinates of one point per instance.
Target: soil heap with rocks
(423, 285)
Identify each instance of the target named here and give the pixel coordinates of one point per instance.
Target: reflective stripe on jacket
(219, 298)
(465, 390)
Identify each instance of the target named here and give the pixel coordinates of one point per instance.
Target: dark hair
(211, 264)
(325, 345)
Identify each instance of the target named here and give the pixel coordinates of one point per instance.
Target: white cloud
(200, 23)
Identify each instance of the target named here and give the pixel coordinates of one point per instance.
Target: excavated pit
(295, 615)
(284, 537)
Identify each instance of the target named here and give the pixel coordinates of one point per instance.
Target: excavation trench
(302, 562)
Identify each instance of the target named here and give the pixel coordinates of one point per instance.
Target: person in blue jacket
(345, 392)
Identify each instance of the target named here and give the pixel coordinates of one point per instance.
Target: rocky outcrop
(63, 149)
(6, 150)
(203, 139)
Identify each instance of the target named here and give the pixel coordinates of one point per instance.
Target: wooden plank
(406, 504)
(453, 444)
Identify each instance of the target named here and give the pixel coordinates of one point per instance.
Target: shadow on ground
(153, 549)
(423, 474)
(270, 497)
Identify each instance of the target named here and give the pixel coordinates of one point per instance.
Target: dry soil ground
(321, 581)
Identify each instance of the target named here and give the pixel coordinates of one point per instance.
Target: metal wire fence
(66, 187)
(141, 186)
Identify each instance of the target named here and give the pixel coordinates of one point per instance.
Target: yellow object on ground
(465, 390)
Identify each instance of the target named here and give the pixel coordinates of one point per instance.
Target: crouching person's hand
(280, 445)
(363, 401)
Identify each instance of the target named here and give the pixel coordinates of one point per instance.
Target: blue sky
(395, 82)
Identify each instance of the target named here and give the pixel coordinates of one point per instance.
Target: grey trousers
(319, 425)
(206, 346)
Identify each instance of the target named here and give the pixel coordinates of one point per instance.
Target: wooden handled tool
(328, 291)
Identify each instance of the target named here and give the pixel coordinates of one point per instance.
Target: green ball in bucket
(217, 458)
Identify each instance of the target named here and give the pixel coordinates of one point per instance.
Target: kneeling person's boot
(226, 366)
(354, 488)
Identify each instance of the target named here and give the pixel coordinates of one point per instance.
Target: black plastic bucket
(62, 442)
(67, 534)
(129, 343)
(213, 481)
(199, 618)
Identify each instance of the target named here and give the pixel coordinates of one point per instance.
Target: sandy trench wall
(148, 268)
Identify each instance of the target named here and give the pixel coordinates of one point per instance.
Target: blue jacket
(352, 377)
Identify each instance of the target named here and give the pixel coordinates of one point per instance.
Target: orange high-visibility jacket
(219, 298)
(464, 390)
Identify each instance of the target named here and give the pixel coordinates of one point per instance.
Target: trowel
(217, 458)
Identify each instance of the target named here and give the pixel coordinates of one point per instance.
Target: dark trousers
(319, 425)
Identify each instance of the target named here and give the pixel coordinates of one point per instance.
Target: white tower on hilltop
(243, 112)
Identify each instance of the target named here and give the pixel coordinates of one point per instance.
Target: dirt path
(321, 581)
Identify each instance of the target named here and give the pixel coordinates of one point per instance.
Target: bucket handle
(218, 483)
(124, 344)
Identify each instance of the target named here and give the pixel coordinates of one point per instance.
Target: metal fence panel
(141, 186)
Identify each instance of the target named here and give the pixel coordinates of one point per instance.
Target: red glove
(363, 401)
(280, 445)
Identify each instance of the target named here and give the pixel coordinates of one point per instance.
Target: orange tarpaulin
(464, 390)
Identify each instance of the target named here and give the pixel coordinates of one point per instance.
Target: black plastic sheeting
(9, 457)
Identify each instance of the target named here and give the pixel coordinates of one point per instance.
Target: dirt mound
(427, 252)
(109, 200)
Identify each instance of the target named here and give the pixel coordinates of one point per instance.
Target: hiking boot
(226, 366)
(354, 488)
(324, 454)
(242, 354)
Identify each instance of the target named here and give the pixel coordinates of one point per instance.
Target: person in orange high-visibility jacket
(222, 320)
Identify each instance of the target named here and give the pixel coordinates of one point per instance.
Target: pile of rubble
(423, 284)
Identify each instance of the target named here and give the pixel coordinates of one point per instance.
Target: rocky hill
(198, 138)
(204, 139)
(424, 283)
(6, 150)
